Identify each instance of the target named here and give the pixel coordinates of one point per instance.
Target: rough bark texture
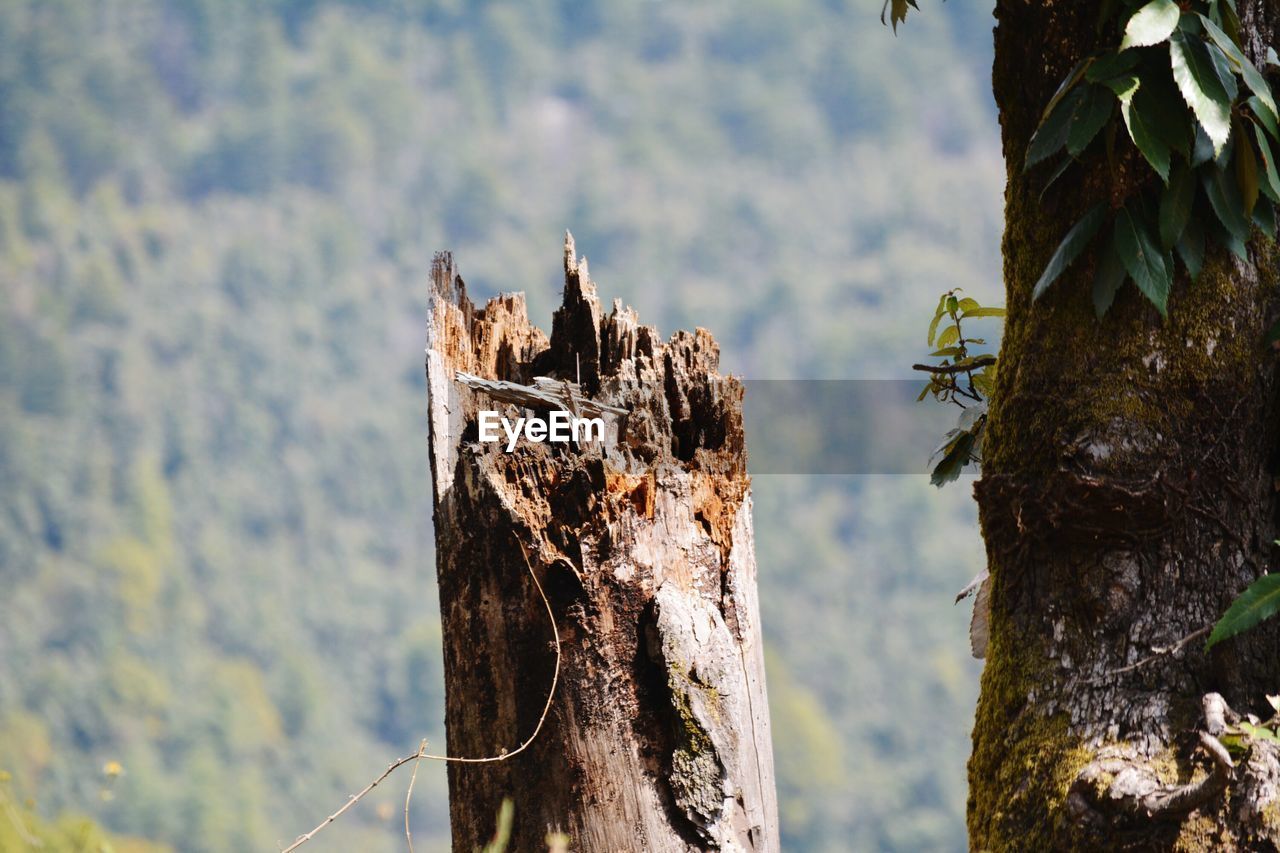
(1127, 497)
(658, 739)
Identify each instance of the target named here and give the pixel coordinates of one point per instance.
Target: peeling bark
(658, 739)
(1127, 497)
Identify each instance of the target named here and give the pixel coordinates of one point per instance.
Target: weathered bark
(658, 738)
(1127, 496)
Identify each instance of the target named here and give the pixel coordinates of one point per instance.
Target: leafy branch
(1203, 119)
(962, 378)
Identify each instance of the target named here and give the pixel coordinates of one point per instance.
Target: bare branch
(980, 361)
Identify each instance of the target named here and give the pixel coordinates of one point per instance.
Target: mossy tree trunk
(1128, 495)
(658, 736)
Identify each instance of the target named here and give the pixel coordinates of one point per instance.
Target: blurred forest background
(217, 605)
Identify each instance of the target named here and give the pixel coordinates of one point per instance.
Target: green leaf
(1175, 205)
(1089, 118)
(1258, 732)
(937, 317)
(1108, 279)
(1252, 77)
(945, 352)
(1151, 24)
(954, 459)
(1203, 151)
(953, 305)
(1124, 86)
(983, 312)
(1264, 216)
(1260, 601)
(1067, 163)
(968, 304)
(1142, 258)
(949, 336)
(1052, 133)
(1111, 65)
(1197, 79)
(1224, 197)
(1138, 115)
(1246, 172)
(1191, 247)
(1072, 78)
(1270, 174)
(1272, 57)
(1162, 108)
(1267, 120)
(1070, 248)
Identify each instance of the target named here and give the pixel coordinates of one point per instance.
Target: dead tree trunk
(658, 738)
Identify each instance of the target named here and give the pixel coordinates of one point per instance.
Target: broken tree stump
(658, 737)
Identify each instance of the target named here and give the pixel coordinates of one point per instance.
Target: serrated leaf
(1191, 247)
(983, 312)
(1246, 172)
(1151, 24)
(937, 317)
(1202, 151)
(1197, 79)
(1267, 120)
(1089, 117)
(1270, 174)
(1110, 65)
(1260, 601)
(953, 461)
(1175, 205)
(1224, 197)
(1222, 67)
(1142, 258)
(1107, 280)
(1052, 133)
(949, 336)
(1138, 115)
(1070, 248)
(1162, 106)
(1252, 77)
(1072, 78)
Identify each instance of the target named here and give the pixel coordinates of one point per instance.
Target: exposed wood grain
(659, 736)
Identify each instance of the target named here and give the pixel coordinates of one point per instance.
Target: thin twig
(408, 795)
(421, 754)
(303, 839)
(1161, 652)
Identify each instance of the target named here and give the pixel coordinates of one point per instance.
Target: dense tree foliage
(215, 224)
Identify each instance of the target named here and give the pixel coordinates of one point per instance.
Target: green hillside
(216, 219)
